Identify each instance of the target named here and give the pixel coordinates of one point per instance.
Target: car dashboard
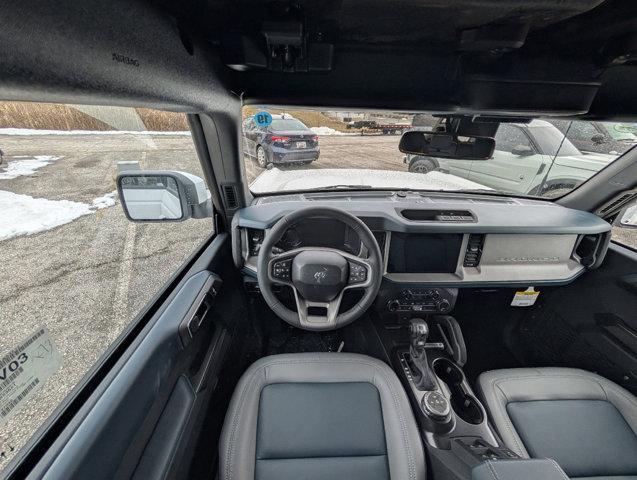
(433, 244)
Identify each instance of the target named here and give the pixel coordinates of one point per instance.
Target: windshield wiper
(342, 187)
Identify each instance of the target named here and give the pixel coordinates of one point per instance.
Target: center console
(453, 421)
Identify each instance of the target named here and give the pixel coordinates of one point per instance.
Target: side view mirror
(446, 145)
(163, 196)
(628, 218)
(522, 150)
(597, 139)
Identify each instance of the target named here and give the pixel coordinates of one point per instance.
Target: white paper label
(525, 298)
(24, 370)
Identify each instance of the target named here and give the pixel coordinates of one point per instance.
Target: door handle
(197, 313)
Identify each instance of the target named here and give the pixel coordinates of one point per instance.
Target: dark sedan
(286, 140)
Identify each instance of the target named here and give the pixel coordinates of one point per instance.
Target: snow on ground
(25, 166)
(326, 131)
(32, 131)
(25, 215)
(104, 201)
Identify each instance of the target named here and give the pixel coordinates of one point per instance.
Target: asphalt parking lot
(87, 279)
(379, 152)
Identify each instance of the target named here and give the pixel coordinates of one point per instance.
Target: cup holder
(464, 405)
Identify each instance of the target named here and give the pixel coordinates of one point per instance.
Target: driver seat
(319, 416)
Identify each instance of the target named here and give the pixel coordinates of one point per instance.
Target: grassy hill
(50, 116)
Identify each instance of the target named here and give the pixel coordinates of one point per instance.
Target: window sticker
(24, 370)
(525, 298)
(263, 119)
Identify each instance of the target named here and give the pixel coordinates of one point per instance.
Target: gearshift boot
(420, 371)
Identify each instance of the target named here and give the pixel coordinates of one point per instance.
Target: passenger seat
(583, 421)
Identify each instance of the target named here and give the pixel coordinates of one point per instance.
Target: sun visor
(522, 97)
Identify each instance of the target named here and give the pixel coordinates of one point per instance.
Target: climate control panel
(426, 300)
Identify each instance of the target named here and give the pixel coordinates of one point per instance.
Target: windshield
(543, 158)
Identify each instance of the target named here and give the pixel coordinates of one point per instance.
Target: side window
(582, 131)
(509, 137)
(74, 272)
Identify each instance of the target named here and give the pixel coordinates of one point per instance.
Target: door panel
(460, 168)
(139, 419)
(164, 443)
(507, 172)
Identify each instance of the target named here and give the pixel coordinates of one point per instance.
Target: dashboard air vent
(230, 197)
(438, 215)
(591, 249)
(616, 203)
(474, 250)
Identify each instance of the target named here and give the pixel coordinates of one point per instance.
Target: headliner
(570, 57)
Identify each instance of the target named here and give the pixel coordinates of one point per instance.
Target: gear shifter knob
(419, 332)
(419, 366)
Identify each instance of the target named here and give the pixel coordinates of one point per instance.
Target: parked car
(532, 158)
(599, 137)
(285, 141)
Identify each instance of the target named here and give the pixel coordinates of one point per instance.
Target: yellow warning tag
(525, 298)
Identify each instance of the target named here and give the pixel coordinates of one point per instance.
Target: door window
(74, 272)
(509, 137)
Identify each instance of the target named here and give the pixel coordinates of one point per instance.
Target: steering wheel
(319, 276)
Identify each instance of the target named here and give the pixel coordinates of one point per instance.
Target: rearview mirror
(163, 196)
(599, 138)
(446, 145)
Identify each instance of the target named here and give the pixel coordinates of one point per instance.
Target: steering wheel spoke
(313, 319)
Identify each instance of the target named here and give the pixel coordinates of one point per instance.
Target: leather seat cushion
(338, 426)
(320, 416)
(583, 421)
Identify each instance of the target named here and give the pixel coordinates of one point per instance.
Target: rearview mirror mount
(446, 145)
(163, 196)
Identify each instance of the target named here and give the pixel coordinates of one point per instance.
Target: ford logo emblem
(320, 275)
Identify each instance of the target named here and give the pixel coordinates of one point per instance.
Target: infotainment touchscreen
(423, 253)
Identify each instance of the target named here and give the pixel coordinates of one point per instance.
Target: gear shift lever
(419, 367)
